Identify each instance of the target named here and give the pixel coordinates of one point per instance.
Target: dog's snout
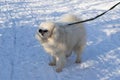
(42, 32)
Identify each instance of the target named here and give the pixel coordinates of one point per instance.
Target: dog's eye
(45, 30)
(42, 31)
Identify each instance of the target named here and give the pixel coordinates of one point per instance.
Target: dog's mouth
(39, 35)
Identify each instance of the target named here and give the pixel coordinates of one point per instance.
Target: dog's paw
(67, 56)
(52, 64)
(78, 61)
(58, 70)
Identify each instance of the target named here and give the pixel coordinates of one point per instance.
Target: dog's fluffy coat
(61, 40)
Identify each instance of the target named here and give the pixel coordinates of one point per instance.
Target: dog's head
(49, 30)
(45, 30)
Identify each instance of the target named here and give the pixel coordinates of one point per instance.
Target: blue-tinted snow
(22, 58)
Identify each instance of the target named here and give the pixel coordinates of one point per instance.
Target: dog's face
(45, 30)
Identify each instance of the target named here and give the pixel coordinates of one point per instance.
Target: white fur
(63, 39)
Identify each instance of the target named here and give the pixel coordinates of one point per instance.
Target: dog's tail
(68, 18)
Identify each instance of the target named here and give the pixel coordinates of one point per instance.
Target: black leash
(96, 16)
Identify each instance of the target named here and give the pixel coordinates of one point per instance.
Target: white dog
(60, 39)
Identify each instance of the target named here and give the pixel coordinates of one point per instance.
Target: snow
(22, 58)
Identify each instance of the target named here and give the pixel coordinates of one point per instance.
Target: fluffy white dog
(60, 39)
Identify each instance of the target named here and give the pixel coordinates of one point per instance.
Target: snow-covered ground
(22, 58)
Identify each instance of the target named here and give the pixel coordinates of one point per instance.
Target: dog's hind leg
(78, 51)
(68, 53)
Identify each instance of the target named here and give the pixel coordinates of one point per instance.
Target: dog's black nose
(40, 31)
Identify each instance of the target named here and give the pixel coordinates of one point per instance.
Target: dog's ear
(57, 33)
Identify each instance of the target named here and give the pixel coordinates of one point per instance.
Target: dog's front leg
(60, 61)
(53, 62)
